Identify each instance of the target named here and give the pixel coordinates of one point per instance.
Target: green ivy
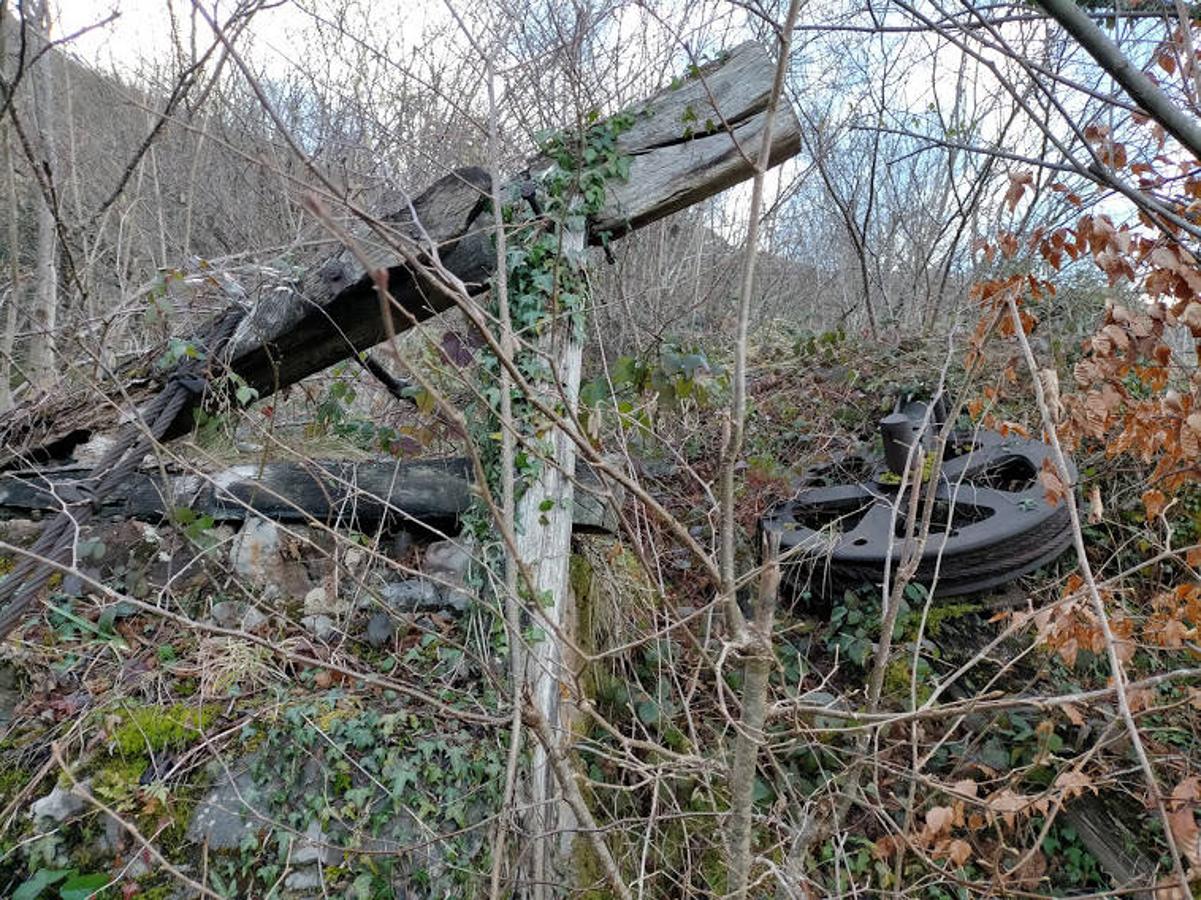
(546, 269)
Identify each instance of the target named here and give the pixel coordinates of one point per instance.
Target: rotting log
(688, 143)
(343, 493)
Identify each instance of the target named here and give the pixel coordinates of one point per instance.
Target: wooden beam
(359, 494)
(688, 143)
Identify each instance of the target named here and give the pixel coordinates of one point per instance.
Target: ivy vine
(544, 217)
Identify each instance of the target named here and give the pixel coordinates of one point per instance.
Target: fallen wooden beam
(360, 495)
(688, 142)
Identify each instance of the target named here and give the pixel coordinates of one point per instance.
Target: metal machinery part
(991, 522)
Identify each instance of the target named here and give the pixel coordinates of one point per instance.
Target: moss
(6, 565)
(117, 779)
(897, 677)
(894, 478)
(12, 780)
(586, 870)
(153, 729)
(940, 615)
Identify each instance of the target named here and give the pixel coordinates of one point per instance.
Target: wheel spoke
(871, 531)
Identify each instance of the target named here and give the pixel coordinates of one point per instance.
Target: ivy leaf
(648, 712)
(81, 887)
(39, 881)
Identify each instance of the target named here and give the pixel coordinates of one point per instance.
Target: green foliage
(387, 778)
(69, 885)
(674, 375)
(545, 271)
(177, 351)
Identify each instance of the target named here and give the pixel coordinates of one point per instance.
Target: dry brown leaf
(938, 820)
(1073, 714)
(1192, 317)
(959, 851)
(966, 787)
(1073, 783)
(1017, 187)
(1154, 502)
(886, 846)
(1008, 804)
(1182, 821)
(1096, 509)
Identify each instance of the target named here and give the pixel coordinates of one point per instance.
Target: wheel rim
(991, 523)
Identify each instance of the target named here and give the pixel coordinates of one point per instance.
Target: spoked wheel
(991, 523)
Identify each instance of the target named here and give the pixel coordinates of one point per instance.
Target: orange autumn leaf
(1154, 502)
(959, 851)
(1017, 187)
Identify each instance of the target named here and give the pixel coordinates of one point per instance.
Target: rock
(303, 880)
(58, 806)
(228, 613)
(314, 601)
(456, 600)
(114, 837)
(313, 847)
(317, 602)
(223, 818)
(255, 552)
(253, 618)
(447, 561)
(236, 614)
(412, 594)
(380, 629)
(355, 560)
(420, 595)
(320, 627)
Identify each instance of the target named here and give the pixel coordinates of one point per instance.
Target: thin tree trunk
(757, 671)
(42, 353)
(8, 338)
(1158, 105)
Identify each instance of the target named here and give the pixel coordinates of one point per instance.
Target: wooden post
(544, 546)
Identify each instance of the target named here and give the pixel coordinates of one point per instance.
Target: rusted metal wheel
(991, 523)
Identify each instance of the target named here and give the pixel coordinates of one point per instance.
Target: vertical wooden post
(544, 545)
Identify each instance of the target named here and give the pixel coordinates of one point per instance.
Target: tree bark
(544, 549)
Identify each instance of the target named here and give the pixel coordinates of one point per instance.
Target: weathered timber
(687, 144)
(360, 494)
(1112, 830)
